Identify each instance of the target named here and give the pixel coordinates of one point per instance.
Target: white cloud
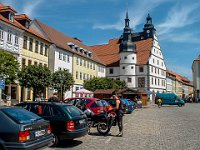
(178, 17)
(29, 7)
(137, 12)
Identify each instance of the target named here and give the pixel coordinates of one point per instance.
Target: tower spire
(127, 20)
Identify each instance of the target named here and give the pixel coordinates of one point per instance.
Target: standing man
(119, 114)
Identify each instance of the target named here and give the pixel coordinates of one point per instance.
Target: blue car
(129, 105)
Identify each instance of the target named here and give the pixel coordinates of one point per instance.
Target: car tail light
(24, 136)
(48, 129)
(70, 125)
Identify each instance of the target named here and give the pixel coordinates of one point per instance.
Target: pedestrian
(54, 98)
(159, 102)
(119, 114)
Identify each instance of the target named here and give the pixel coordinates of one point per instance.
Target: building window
(36, 46)
(35, 63)
(45, 65)
(9, 38)
(16, 40)
(76, 74)
(111, 71)
(133, 58)
(132, 67)
(1, 34)
(123, 67)
(41, 64)
(141, 69)
(29, 62)
(93, 66)
(41, 48)
(153, 61)
(158, 82)
(155, 82)
(77, 61)
(87, 76)
(152, 69)
(84, 75)
(11, 16)
(129, 80)
(28, 94)
(152, 80)
(68, 59)
(90, 77)
(155, 70)
(31, 44)
(125, 57)
(88, 64)
(158, 70)
(141, 82)
(64, 57)
(60, 55)
(84, 63)
(23, 63)
(80, 62)
(157, 62)
(46, 50)
(80, 75)
(25, 42)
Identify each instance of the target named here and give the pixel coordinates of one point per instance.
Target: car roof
(48, 103)
(88, 98)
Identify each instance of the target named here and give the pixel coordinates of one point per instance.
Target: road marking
(125, 124)
(108, 140)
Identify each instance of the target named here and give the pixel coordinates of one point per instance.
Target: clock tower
(149, 29)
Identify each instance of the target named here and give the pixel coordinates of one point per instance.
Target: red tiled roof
(22, 17)
(180, 78)
(197, 59)
(61, 40)
(18, 25)
(109, 53)
(108, 91)
(6, 8)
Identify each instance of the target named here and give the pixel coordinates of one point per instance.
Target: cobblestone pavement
(166, 128)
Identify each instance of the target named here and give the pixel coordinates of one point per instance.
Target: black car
(23, 130)
(67, 121)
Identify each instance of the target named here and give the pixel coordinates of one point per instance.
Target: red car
(106, 105)
(93, 104)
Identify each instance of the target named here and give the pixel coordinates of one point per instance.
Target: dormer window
(70, 44)
(89, 54)
(27, 24)
(11, 16)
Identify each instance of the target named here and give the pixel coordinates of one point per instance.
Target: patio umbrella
(83, 91)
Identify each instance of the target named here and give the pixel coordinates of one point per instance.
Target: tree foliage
(103, 83)
(62, 81)
(9, 66)
(35, 77)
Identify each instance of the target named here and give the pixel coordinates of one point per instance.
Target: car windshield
(73, 111)
(21, 115)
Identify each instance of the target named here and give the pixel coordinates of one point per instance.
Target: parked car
(129, 105)
(169, 99)
(113, 103)
(21, 129)
(93, 104)
(67, 121)
(106, 105)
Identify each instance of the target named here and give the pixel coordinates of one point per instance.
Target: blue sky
(96, 21)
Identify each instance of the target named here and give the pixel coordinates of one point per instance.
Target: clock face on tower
(148, 31)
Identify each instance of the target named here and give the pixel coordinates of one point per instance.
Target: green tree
(103, 83)
(36, 78)
(9, 66)
(62, 81)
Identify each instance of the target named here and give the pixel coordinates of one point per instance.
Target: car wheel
(55, 140)
(180, 105)
(1, 147)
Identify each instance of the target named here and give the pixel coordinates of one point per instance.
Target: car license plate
(82, 121)
(40, 133)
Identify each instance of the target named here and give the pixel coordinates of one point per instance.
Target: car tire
(180, 105)
(1, 147)
(55, 141)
